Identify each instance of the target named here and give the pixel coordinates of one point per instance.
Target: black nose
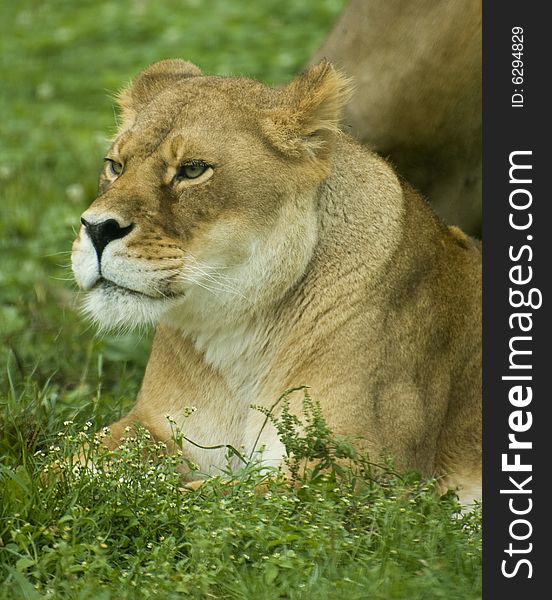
(104, 232)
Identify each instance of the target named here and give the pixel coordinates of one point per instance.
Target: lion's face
(207, 197)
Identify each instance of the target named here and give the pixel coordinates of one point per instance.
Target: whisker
(213, 276)
(56, 253)
(61, 278)
(211, 273)
(207, 288)
(215, 284)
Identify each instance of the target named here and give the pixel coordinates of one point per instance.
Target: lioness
(272, 250)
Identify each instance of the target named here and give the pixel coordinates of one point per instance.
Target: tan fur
(298, 258)
(417, 67)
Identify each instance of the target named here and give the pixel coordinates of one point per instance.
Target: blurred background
(61, 64)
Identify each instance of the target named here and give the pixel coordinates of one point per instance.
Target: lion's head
(207, 196)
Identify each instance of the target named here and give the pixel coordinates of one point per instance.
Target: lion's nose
(104, 232)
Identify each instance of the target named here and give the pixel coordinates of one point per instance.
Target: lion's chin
(110, 307)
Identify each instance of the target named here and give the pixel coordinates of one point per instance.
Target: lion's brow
(177, 146)
(145, 148)
(121, 142)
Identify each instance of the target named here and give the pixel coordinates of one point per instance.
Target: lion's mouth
(108, 285)
(114, 306)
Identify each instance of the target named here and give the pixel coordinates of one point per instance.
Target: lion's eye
(114, 167)
(191, 170)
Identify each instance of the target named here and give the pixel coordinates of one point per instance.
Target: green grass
(126, 527)
(124, 534)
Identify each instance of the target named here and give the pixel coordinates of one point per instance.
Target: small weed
(122, 521)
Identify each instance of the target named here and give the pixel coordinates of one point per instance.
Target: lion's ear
(151, 82)
(307, 116)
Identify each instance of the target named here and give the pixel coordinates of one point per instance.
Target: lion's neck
(239, 346)
(361, 210)
(233, 339)
(241, 351)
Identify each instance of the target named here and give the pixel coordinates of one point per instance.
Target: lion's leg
(117, 431)
(111, 440)
(459, 462)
